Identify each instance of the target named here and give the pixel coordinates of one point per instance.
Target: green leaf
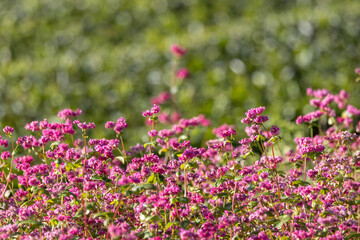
(69, 166)
(142, 217)
(160, 179)
(121, 158)
(91, 205)
(238, 178)
(182, 137)
(283, 219)
(58, 161)
(152, 178)
(248, 154)
(79, 214)
(104, 214)
(251, 187)
(321, 179)
(339, 179)
(275, 138)
(53, 222)
(163, 150)
(183, 200)
(106, 222)
(173, 200)
(7, 194)
(30, 222)
(144, 186)
(352, 236)
(100, 178)
(194, 164)
(149, 143)
(67, 193)
(324, 191)
(284, 238)
(260, 138)
(223, 194)
(95, 177)
(184, 224)
(253, 204)
(299, 182)
(54, 145)
(168, 225)
(228, 206)
(331, 121)
(154, 218)
(219, 181)
(30, 202)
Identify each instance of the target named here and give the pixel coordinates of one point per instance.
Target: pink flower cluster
(63, 184)
(149, 113)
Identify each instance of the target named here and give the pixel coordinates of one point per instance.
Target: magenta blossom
(178, 51)
(182, 73)
(8, 130)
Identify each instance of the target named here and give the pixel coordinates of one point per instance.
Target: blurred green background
(109, 57)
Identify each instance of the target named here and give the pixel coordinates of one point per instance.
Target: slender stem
(185, 178)
(319, 128)
(173, 85)
(233, 199)
(151, 138)
(83, 176)
(123, 146)
(8, 179)
(276, 173)
(358, 213)
(305, 169)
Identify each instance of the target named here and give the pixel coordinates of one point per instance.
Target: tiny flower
(162, 98)
(5, 155)
(85, 125)
(109, 125)
(274, 130)
(182, 73)
(67, 113)
(120, 125)
(61, 218)
(178, 51)
(114, 231)
(175, 117)
(155, 109)
(299, 120)
(3, 142)
(8, 130)
(152, 133)
(357, 71)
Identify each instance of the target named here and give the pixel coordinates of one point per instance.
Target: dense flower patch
(57, 186)
(57, 183)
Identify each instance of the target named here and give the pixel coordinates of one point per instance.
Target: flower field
(58, 183)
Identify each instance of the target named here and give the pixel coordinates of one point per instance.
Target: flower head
(178, 51)
(8, 130)
(182, 73)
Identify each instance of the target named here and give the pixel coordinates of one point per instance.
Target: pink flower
(8, 130)
(182, 73)
(152, 133)
(162, 98)
(357, 70)
(175, 117)
(178, 51)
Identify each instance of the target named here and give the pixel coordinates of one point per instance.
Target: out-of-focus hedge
(109, 57)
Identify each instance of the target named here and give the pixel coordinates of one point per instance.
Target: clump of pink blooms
(61, 184)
